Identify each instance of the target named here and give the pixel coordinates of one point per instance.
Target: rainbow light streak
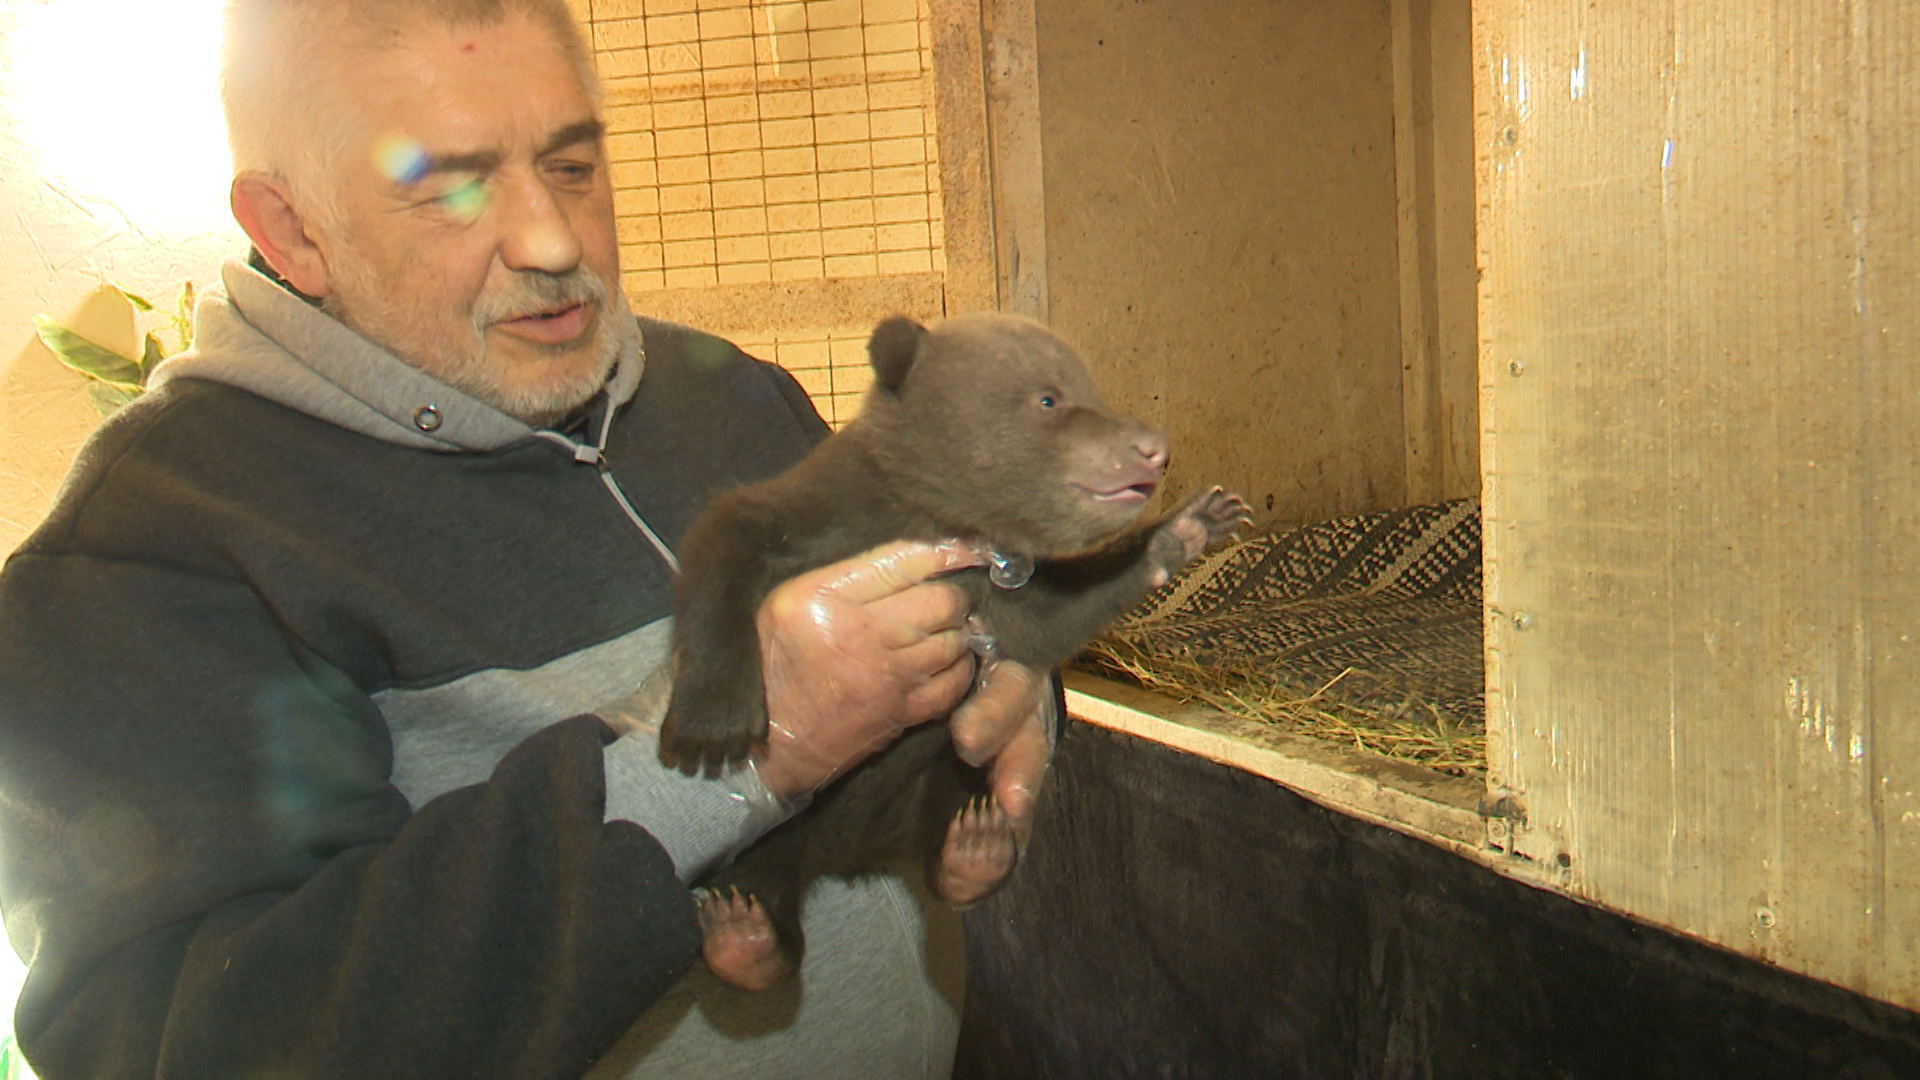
(400, 159)
(468, 201)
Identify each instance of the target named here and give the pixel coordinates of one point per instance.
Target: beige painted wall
(60, 239)
(1220, 236)
(45, 414)
(1700, 316)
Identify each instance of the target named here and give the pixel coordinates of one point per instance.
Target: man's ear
(892, 348)
(265, 210)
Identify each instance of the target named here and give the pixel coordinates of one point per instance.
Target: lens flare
(400, 159)
(468, 201)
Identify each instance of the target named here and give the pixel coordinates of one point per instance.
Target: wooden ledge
(1420, 802)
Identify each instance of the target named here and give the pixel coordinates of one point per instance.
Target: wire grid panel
(757, 142)
(830, 365)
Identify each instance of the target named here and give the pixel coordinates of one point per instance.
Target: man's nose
(535, 232)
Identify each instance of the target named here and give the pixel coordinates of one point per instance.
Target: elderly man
(312, 750)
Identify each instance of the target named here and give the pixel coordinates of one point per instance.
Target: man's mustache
(535, 292)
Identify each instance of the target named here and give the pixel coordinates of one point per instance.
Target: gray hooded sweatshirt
(299, 768)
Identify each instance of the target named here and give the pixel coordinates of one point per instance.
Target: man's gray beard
(462, 364)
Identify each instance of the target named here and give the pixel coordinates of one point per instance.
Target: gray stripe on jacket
(452, 735)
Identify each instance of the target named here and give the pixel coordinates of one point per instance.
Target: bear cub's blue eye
(1046, 401)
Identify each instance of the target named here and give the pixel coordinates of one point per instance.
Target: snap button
(426, 418)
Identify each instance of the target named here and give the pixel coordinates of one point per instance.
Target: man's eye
(573, 172)
(467, 201)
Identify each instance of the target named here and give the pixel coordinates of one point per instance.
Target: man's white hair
(279, 60)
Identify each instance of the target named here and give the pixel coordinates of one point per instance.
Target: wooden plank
(1010, 40)
(1433, 178)
(1698, 225)
(1419, 271)
(966, 181)
(1889, 263)
(1457, 276)
(795, 305)
(1440, 809)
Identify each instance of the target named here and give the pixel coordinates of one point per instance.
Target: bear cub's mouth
(1137, 492)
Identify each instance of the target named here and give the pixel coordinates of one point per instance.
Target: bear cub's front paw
(707, 733)
(1205, 520)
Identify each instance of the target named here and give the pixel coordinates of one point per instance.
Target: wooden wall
(1221, 236)
(1255, 218)
(1700, 227)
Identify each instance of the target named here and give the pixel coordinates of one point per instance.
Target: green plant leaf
(151, 358)
(85, 357)
(109, 398)
(137, 301)
(183, 316)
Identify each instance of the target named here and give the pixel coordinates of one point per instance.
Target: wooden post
(1700, 226)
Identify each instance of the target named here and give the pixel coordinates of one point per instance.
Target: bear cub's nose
(1153, 448)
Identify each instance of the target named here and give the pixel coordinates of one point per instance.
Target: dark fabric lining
(1179, 918)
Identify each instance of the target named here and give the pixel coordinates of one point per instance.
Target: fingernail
(960, 552)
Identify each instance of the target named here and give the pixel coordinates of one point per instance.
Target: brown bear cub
(986, 428)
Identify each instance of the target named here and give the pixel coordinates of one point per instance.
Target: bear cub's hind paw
(740, 946)
(979, 853)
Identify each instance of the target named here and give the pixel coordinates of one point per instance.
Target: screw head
(1517, 368)
(1522, 620)
(1765, 917)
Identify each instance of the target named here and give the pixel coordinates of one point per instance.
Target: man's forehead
(501, 88)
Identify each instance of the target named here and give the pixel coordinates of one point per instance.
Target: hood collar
(262, 338)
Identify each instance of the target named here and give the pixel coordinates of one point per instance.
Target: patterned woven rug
(1384, 607)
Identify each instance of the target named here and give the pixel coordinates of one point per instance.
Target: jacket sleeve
(204, 862)
(798, 403)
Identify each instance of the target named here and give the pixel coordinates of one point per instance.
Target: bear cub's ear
(892, 348)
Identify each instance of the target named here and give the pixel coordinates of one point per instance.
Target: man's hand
(1004, 726)
(855, 653)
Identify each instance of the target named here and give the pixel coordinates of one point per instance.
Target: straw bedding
(1366, 630)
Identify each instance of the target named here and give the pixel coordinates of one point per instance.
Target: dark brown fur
(984, 427)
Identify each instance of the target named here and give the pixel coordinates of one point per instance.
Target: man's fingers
(1019, 770)
(937, 695)
(890, 568)
(932, 654)
(918, 611)
(989, 718)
